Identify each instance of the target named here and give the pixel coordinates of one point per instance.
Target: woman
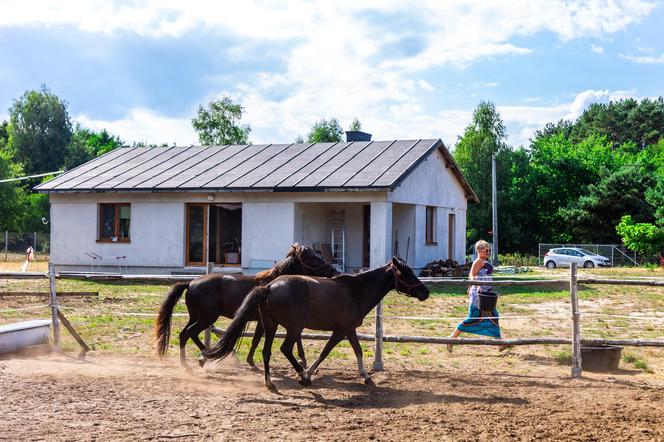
(485, 322)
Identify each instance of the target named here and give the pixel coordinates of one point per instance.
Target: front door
(196, 250)
(214, 234)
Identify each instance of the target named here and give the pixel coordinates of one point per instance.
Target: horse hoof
(305, 382)
(253, 368)
(369, 381)
(272, 388)
(201, 361)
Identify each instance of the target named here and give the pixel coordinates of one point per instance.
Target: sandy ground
(110, 398)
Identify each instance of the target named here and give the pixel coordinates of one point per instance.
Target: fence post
(576, 329)
(54, 308)
(378, 358)
(208, 331)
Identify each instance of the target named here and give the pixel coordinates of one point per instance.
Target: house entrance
(214, 234)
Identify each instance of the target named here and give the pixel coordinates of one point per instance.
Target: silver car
(565, 256)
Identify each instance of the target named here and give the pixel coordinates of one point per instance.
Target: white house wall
(154, 243)
(432, 184)
(267, 232)
(312, 226)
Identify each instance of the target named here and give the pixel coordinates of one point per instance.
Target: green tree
(355, 125)
(87, 144)
(644, 238)
(325, 131)
(219, 123)
(559, 174)
(641, 122)
(11, 209)
(39, 131)
(594, 217)
(482, 139)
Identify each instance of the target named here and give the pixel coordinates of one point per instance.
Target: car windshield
(586, 252)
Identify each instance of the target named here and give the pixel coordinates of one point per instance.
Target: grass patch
(563, 357)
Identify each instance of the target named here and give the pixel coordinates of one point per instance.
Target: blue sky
(405, 69)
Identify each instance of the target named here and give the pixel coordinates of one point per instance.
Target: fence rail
(378, 338)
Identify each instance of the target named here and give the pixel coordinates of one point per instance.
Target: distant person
(479, 322)
(29, 257)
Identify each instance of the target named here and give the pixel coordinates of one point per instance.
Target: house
(172, 209)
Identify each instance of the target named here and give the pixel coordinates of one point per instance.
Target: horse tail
(234, 331)
(162, 327)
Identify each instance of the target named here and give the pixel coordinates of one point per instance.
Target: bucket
(600, 357)
(487, 301)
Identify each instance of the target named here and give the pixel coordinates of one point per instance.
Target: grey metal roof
(359, 165)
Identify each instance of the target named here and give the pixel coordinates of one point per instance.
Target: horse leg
(287, 350)
(336, 337)
(258, 334)
(202, 324)
(357, 348)
(270, 328)
(184, 337)
(300, 352)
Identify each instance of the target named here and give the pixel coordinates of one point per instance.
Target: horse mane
(286, 266)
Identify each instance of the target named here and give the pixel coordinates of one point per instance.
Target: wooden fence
(378, 337)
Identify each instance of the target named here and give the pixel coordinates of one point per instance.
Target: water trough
(14, 337)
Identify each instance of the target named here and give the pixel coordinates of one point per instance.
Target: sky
(405, 69)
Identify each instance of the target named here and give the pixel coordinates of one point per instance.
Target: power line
(31, 176)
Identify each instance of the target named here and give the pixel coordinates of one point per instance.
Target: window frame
(116, 223)
(430, 226)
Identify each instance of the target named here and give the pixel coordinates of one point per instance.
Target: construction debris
(448, 268)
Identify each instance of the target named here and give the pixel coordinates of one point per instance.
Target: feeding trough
(600, 357)
(14, 337)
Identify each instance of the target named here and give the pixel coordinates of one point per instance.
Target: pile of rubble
(447, 268)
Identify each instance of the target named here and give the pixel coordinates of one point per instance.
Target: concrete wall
(403, 223)
(427, 186)
(267, 232)
(154, 242)
(312, 227)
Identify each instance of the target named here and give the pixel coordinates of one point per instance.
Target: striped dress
(480, 323)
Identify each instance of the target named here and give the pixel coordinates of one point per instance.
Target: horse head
(312, 263)
(405, 280)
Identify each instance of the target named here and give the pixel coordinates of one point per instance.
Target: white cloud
(280, 124)
(644, 59)
(338, 61)
(523, 121)
(597, 49)
(142, 125)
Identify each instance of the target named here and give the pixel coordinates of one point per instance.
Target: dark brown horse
(214, 295)
(338, 304)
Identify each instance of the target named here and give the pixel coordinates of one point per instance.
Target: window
(114, 222)
(431, 225)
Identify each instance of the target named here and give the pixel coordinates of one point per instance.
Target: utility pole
(494, 209)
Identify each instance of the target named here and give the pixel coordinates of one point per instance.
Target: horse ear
(395, 261)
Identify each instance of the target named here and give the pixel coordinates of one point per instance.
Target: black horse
(214, 295)
(338, 304)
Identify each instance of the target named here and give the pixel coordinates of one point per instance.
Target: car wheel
(588, 265)
(550, 265)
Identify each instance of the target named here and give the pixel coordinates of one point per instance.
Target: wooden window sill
(110, 241)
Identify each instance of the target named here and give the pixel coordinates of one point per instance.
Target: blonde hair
(481, 245)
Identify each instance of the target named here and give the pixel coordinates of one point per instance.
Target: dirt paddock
(111, 398)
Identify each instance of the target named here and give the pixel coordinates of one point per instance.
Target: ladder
(337, 221)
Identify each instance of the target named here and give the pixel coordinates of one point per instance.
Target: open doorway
(214, 234)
